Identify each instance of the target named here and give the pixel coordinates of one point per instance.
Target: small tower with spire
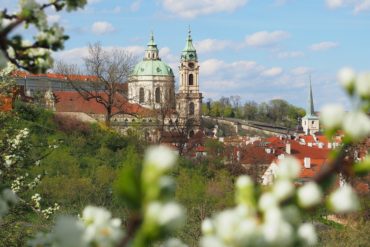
(151, 52)
(188, 98)
(310, 122)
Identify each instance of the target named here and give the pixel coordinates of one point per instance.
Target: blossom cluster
(161, 213)
(47, 212)
(18, 183)
(15, 148)
(96, 227)
(355, 123)
(273, 218)
(33, 56)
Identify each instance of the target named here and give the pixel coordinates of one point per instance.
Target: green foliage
(127, 187)
(275, 111)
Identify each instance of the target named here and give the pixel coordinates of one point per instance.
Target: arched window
(191, 133)
(191, 109)
(157, 95)
(141, 95)
(191, 79)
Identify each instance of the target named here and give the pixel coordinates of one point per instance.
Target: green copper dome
(152, 64)
(152, 67)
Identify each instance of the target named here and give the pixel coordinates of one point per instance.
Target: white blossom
(332, 116)
(344, 200)
(346, 77)
(173, 242)
(278, 233)
(213, 241)
(282, 189)
(309, 195)
(357, 125)
(362, 85)
(100, 228)
(161, 157)
(170, 215)
(207, 227)
(267, 200)
(307, 233)
(288, 168)
(243, 182)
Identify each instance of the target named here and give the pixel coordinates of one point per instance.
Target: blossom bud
(283, 189)
(289, 168)
(332, 116)
(344, 200)
(306, 232)
(346, 77)
(362, 85)
(309, 195)
(357, 125)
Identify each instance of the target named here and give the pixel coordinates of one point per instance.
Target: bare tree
(103, 78)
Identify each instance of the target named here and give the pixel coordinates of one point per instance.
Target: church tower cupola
(151, 52)
(189, 53)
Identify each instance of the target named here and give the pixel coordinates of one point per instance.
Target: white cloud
(265, 38)
(301, 70)
(357, 5)
(194, 8)
(135, 6)
(76, 55)
(53, 18)
(102, 27)
(272, 72)
(211, 45)
(290, 54)
(362, 6)
(323, 46)
(333, 4)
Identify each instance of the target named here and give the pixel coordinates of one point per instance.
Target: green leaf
(127, 186)
(362, 168)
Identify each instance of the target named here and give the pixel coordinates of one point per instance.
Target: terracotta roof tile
(74, 102)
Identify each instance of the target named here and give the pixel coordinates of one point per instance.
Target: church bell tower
(188, 98)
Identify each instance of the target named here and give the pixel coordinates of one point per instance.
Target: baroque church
(152, 84)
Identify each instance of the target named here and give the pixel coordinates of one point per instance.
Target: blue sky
(259, 50)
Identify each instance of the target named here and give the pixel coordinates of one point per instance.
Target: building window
(191, 109)
(141, 95)
(157, 95)
(191, 79)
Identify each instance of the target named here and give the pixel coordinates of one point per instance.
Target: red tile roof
(252, 154)
(19, 73)
(74, 102)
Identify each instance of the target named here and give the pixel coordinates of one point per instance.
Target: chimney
(288, 148)
(307, 162)
(309, 144)
(321, 145)
(329, 145)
